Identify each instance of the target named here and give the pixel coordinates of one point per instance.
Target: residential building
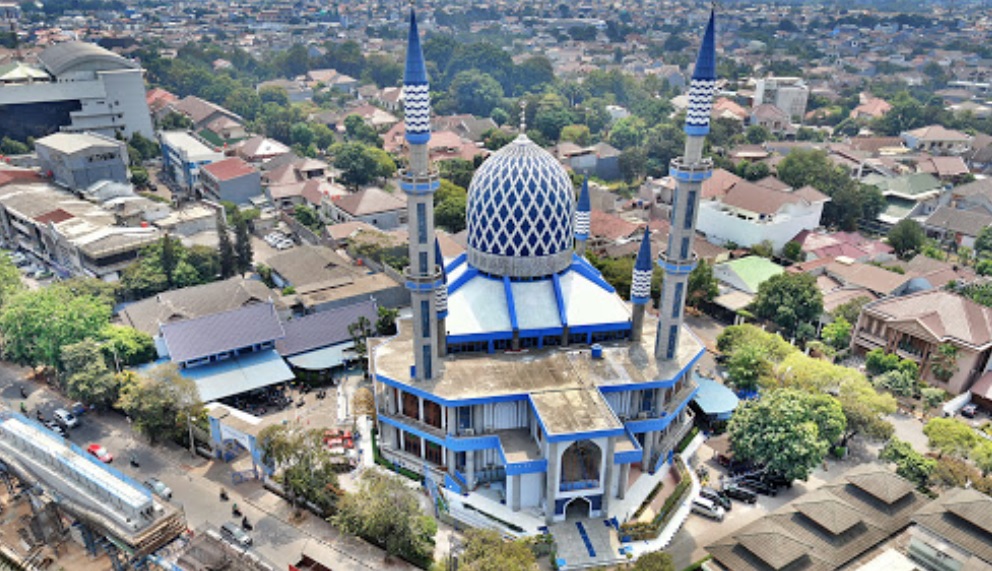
(789, 94)
(79, 160)
(747, 273)
(258, 149)
(907, 196)
(379, 208)
(975, 195)
(953, 532)
(960, 227)
(772, 118)
(829, 528)
(202, 112)
(821, 244)
(182, 156)
(77, 87)
(231, 180)
(937, 140)
(913, 326)
(750, 213)
(601, 160)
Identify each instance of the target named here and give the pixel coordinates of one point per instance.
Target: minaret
(441, 302)
(582, 219)
(689, 172)
(640, 286)
(419, 181)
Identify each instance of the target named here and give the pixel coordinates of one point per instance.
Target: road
(196, 484)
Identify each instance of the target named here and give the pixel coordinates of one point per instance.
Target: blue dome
(519, 213)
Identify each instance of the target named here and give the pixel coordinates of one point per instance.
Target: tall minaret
(640, 286)
(582, 218)
(689, 172)
(419, 181)
(441, 302)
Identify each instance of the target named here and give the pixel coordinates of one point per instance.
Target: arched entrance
(580, 466)
(578, 508)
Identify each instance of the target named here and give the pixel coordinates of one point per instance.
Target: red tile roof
(229, 169)
(610, 226)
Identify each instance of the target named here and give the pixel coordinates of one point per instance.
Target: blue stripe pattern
(585, 538)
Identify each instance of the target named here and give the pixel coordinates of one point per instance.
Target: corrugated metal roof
(324, 328)
(213, 334)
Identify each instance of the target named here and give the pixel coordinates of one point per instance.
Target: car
(234, 534)
(157, 486)
(65, 418)
(740, 494)
(716, 497)
(777, 480)
(55, 427)
(759, 486)
(704, 507)
(42, 274)
(19, 259)
(969, 410)
(100, 453)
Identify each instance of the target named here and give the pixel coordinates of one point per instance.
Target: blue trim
(510, 306)
(581, 237)
(582, 267)
(560, 299)
(442, 314)
(414, 389)
(660, 423)
(692, 176)
(696, 131)
(584, 204)
(413, 286)
(418, 138)
(469, 273)
(629, 456)
(705, 67)
(541, 332)
(421, 187)
(643, 262)
(571, 436)
(637, 300)
(487, 336)
(452, 485)
(600, 327)
(678, 269)
(459, 260)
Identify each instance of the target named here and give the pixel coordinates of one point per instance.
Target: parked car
(65, 418)
(42, 274)
(740, 494)
(234, 534)
(716, 497)
(969, 410)
(157, 486)
(19, 259)
(759, 486)
(705, 507)
(777, 480)
(55, 427)
(101, 453)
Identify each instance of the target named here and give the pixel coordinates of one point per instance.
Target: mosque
(522, 370)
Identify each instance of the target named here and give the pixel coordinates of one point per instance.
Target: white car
(284, 244)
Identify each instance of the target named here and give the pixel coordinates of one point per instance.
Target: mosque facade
(522, 371)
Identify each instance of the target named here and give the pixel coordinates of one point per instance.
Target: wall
(531, 489)
(721, 227)
(242, 189)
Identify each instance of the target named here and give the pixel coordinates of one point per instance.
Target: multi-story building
(789, 94)
(232, 180)
(596, 402)
(77, 87)
(182, 156)
(78, 160)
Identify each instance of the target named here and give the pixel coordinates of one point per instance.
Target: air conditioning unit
(469, 432)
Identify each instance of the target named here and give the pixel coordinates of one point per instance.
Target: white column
(551, 484)
(609, 477)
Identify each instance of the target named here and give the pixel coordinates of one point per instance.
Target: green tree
(702, 286)
(225, 248)
(793, 251)
(907, 237)
(308, 217)
(983, 243)
(387, 513)
(932, 397)
(475, 92)
(789, 299)
(950, 436)
(304, 466)
(126, 346)
(850, 201)
(169, 258)
(486, 550)
(147, 148)
(10, 279)
(910, 464)
(10, 146)
(788, 430)
(386, 322)
(633, 164)
(160, 402)
(837, 334)
(357, 164)
(757, 134)
(981, 455)
(242, 245)
(944, 362)
(578, 134)
(88, 380)
(356, 129)
(765, 249)
(360, 332)
(628, 132)
(851, 310)
(898, 382)
(654, 561)
(274, 94)
(746, 367)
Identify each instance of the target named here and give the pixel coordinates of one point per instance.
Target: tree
(10, 146)
(357, 164)
(274, 94)
(169, 258)
(386, 322)
(746, 367)
(356, 129)
(789, 431)
(475, 92)
(764, 248)
(578, 134)
(837, 334)
(865, 419)
(228, 262)
(89, 380)
(308, 217)
(702, 286)
(981, 455)
(628, 132)
(950, 436)
(160, 402)
(932, 397)
(486, 550)
(126, 346)
(983, 243)
(944, 362)
(898, 382)
(793, 251)
(10, 279)
(242, 245)
(850, 200)
(633, 164)
(387, 513)
(851, 310)
(788, 300)
(757, 134)
(654, 561)
(450, 202)
(907, 237)
(360, 332)
(306, 468)
(910, 464)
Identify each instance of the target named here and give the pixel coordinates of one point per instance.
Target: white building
(78, 160)
(750, 213)
(789, 94)
(182, 156)
(78, 87)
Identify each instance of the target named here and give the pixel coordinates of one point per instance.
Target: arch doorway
(578, 508)
(580, 466)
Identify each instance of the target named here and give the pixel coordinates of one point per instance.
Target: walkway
(586, 542)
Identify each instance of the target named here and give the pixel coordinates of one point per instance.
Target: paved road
(196, 485)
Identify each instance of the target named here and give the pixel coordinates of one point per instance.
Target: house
(872, 108)
(908, 196)
(231, 180)
(468, 126)
(158, 100)
(750, 213)
(913, 326)
(961, 227)
(258, 149)
(182, 156)
(297, 91)
(317, 344)
(600, 160)
(819, 245)
(724, 108)
(771, 118)
(953, 532)
(202, 112)
(78, 160)
(332, 79)
(829, 528)
(975, 195)
(946, 168)
(747, 273)
(379, 208)
(607, 229)
(788, 94)
(937, 140)
(845, 273)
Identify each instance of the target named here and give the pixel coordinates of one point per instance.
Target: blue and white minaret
(640, 286)
(583, 217)
(441, 302)
(419, 181)
(689, 172)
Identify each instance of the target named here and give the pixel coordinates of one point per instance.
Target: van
(707, 508)
(65, 418)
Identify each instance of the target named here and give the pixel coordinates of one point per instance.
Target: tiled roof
(324, 328)
(308, 265)
(229, 169)
(967, 222)
(758, 199)
(945, 315)
(938, 133)
(226, 331)
(717, 185)
(610, 226)
(878, 280)
(962, 517)
(369, 201)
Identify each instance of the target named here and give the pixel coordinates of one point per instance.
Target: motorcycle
(223, 495)
(245, 524)
(235, 511)
(133, 460)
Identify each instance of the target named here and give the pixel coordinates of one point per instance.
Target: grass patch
(687, 439)
(638, 530)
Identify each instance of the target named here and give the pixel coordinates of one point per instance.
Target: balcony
(870, 340)
(414, 423)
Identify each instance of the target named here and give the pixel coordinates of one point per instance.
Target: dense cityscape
(505, 285)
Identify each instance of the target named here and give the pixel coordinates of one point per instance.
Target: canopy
(238, 375)
(716, 401)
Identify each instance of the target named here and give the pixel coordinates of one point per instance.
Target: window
(427, 362)
(423, 263)
(685, 248)
(690, 209)
(425, 318)
(421, 222)
(677, 306)
(647, 400)
(673, 335)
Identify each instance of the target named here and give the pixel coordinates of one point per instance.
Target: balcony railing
(414, 423)
(871, 338)
(578, 485)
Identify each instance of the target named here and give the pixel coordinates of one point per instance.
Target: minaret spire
(419, 181)
(689, 172)
(640, 285)
(583, 216)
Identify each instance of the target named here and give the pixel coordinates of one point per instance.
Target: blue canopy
(715, 400)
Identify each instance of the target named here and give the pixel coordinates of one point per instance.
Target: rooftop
(70, 143)
(963, 518)
(222, 332)
(939, 315)
(229, 169)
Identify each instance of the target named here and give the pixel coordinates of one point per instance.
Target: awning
(239, 374)
(325, 358)
(715, 399)
(734, 300)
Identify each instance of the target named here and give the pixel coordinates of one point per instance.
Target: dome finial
(523, 116)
